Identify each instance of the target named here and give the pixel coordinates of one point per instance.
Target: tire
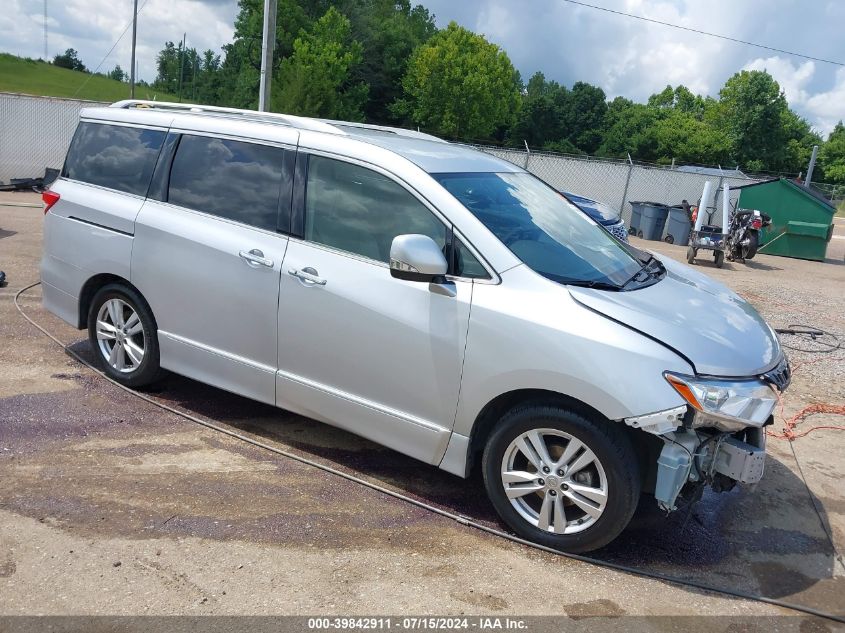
(690, 255)
(138, 352)
(669, 239)
(608, 467)
(748, 252)
(719, 257)
(640, 234)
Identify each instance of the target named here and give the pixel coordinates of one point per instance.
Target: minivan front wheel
(123, 335)
(561, 479)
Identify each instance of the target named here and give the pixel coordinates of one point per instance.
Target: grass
(34, 77)
(840, 211)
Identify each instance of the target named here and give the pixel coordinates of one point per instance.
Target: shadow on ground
(766, 541)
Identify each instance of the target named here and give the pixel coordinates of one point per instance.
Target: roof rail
(302, 123)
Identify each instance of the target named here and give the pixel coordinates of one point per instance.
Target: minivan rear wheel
(561, 479)
(123, 335)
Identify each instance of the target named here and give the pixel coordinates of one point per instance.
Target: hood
(720, 333)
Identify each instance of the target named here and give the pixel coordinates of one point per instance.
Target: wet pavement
(87, 467)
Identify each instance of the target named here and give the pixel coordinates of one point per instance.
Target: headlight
(728, 405)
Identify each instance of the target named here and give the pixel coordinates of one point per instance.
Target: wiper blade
(598, 285)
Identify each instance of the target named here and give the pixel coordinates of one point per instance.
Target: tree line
(385, 61)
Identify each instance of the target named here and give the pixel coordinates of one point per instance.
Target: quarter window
(360, 211)
(230, 179)
(114, 156)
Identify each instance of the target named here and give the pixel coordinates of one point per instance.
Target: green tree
(753, 111)
(630, 128)
(118, 74)
(241, 67)
(69, 59)
(389, 32)
(460, 85)
(584, 115)
(316, 79)
(832, 155)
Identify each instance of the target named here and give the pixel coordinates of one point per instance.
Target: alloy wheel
(120, 335)
(554, 481)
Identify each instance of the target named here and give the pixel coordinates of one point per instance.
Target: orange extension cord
(789, 432)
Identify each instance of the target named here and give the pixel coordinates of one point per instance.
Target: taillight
(756, 223)
(50, 198)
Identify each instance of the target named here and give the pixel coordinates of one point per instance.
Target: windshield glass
(542, 228)
(599, 211)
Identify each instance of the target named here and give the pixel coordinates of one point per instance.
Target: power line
(117, 41)
(692, 30)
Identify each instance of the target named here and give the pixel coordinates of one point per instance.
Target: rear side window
(230, 179)
(114, 156)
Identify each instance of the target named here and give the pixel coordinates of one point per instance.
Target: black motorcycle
(744, 233)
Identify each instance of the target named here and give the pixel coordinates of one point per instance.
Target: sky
(568, 43)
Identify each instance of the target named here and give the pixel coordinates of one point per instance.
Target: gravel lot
(109, 505)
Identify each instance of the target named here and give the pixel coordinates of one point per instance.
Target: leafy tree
(460, 85)
(753, 110)
(584, 115)
(389, 31)
(118, 74)
(832, 155)
(629, 129)
(242, 65)
(69, 59)
(316, 80)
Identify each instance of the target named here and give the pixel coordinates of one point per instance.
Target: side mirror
(416, 258)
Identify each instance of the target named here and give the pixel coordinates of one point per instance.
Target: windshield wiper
(584, 283)
(647, 265)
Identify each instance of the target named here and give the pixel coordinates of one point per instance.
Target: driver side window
(360, 211)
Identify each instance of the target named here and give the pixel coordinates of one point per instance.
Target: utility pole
(812, 166)
(268, 43)
(46, 50)
(182, 64)
(134, 37)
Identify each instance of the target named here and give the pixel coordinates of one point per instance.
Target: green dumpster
(802, 219)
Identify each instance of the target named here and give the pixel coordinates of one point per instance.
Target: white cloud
(634, 58)
(822, 108)
(93, 26)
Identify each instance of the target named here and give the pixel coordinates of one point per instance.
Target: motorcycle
(744, 233)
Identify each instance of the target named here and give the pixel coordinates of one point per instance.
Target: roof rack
(298, 122)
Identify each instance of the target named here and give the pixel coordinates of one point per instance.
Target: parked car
(605, 215)
(432, 298)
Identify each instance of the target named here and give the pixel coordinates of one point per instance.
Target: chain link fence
(617, 183)
(35, 133)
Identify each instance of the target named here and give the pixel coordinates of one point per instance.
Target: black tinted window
(114, 156)
(465, 263)
(360, 211)
(231, 179)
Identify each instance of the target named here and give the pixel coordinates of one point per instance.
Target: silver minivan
(432, 298)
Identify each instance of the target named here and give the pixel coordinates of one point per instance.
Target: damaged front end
(717, 438)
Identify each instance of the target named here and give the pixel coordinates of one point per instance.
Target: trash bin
(653, 220)
(636, 217)
(678, 226)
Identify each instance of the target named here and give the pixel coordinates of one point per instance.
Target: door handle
(255, 258)
(308, 275)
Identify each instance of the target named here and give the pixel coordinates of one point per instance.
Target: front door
(378, 356)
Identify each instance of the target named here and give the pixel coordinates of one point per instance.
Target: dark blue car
(608, 217)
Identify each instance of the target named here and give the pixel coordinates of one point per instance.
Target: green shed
(802, 219)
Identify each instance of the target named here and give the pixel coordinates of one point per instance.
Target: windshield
(543, 229)
(599, 211)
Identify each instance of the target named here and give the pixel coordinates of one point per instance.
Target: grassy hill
(40, 78)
